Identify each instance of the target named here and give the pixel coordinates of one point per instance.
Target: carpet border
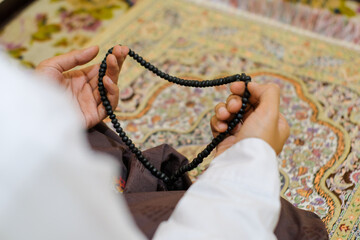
(271, 22)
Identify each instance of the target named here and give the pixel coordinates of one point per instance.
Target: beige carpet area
(320, 95)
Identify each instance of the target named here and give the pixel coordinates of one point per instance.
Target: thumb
(265, 96)
(283, 131)
(70, 60)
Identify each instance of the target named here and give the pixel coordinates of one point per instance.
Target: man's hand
(262, 120)
(83, 83)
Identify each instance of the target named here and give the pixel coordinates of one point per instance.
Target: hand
(83, 83)
(263, 120)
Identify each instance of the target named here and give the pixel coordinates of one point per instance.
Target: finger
(91, 75)
(265, 97)
(96, 95)
(237, 88)
(283, 128)
(217, 126)
(101, 111)
(112, 96)
(236, 128)
(112, 91)
(113, 69)
(268, 95)
(233, 103)
(221, 112)
(120, 52)
(256, 91)
(87, 103)
(71, 59)
(94, 81)
(115, 61)
(117, 52)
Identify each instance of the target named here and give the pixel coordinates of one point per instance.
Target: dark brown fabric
(151, 203)
(151, 208)
(137, 178)
(103, 139)
(298, 224)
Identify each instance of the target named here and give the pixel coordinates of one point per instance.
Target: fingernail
(222, 110)
(124, 51)
(221, 125)
(232, 103)
(89, 49)
(253, 84)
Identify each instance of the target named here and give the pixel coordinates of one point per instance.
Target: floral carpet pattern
(38, 33)
(338, 19)
(320, 87)
(350, 8)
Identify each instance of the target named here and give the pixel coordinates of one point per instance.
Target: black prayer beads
(169, 180)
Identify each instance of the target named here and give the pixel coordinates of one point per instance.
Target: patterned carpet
(319, 79)
(50, 27)
(350, 8)
(338, 19)
(320, 96)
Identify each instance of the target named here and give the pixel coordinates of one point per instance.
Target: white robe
(53, 186)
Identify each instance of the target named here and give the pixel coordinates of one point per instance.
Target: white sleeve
(236, 198)
(52, 186)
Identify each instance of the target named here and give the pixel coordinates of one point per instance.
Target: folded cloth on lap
(150, 202)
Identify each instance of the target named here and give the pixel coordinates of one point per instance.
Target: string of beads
(169, 180)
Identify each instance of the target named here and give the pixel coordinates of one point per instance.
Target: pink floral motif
(317, 152)
(73, 21)
(41, 18)
(11, 45)
(355, 176)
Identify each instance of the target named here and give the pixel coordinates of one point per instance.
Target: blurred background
(35, 30)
